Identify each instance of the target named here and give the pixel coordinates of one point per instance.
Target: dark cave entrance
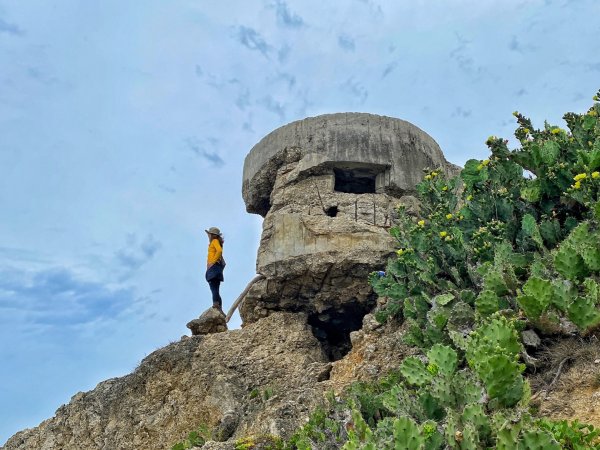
(333, 327)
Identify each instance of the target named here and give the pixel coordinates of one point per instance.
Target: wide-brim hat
(214, 230)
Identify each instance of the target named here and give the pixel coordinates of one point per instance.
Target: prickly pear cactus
(487, 303)
(493, 352)
(584, 313)
(537, 440)
(442, 359)
(569, 263)
(494, 281)
(415, 371)
(407, 434)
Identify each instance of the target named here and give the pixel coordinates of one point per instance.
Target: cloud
(346, 42)
(459, 112)
(286, 78)
(243, 99)
(168, 189)
(285, 17)
(389, 69)
(459, 54)
(58, 296)
(252, 40)
(356, 89)
(374, 7)
(465, 62)
(593, 67)
(198, 71)
(514, 45)
(41, 77)
(137, 253)
(199, 149)
(273, 106)
(10, 28)
(284, 53)
(21, 255)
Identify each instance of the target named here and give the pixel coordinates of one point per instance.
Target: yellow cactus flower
(526, 130)
(445, 188)
(469, 198)
(421, 223)
(428, 177)
(448, 238)
(449, 216)
(443, 234)
(485, 162)
(592, 113)
(555, 130)
(577, 185)
(434, 174)
(400, 252)
(595, 175)
(580, 176)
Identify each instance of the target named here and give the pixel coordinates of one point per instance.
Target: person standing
(215, 265)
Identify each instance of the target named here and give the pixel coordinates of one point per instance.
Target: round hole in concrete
(332, 211)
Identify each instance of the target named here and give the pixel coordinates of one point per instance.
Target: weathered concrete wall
(338, 138)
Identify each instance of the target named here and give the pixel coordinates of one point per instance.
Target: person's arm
(218, 250)
(215, 251)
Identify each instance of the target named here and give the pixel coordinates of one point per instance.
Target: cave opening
(333, 327)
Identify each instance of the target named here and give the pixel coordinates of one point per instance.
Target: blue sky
(123, 130)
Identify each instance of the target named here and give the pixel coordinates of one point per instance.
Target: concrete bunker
(328, 187)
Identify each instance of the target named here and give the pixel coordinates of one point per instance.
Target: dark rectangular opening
(355, 181)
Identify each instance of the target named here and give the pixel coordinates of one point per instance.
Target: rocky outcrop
(264, 378)
(210, 321)
(329, 187)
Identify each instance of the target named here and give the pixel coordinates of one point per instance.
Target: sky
(124, 126)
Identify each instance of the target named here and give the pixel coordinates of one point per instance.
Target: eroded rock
(210, 321)
(239, 383)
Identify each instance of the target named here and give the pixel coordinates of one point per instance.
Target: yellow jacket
(215, 252)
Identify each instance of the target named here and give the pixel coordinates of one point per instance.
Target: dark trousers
(216, 298)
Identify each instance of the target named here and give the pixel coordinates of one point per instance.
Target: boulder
(211, 321)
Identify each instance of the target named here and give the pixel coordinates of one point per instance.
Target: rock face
(328, 187)
(211, 321)
(262, 379)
